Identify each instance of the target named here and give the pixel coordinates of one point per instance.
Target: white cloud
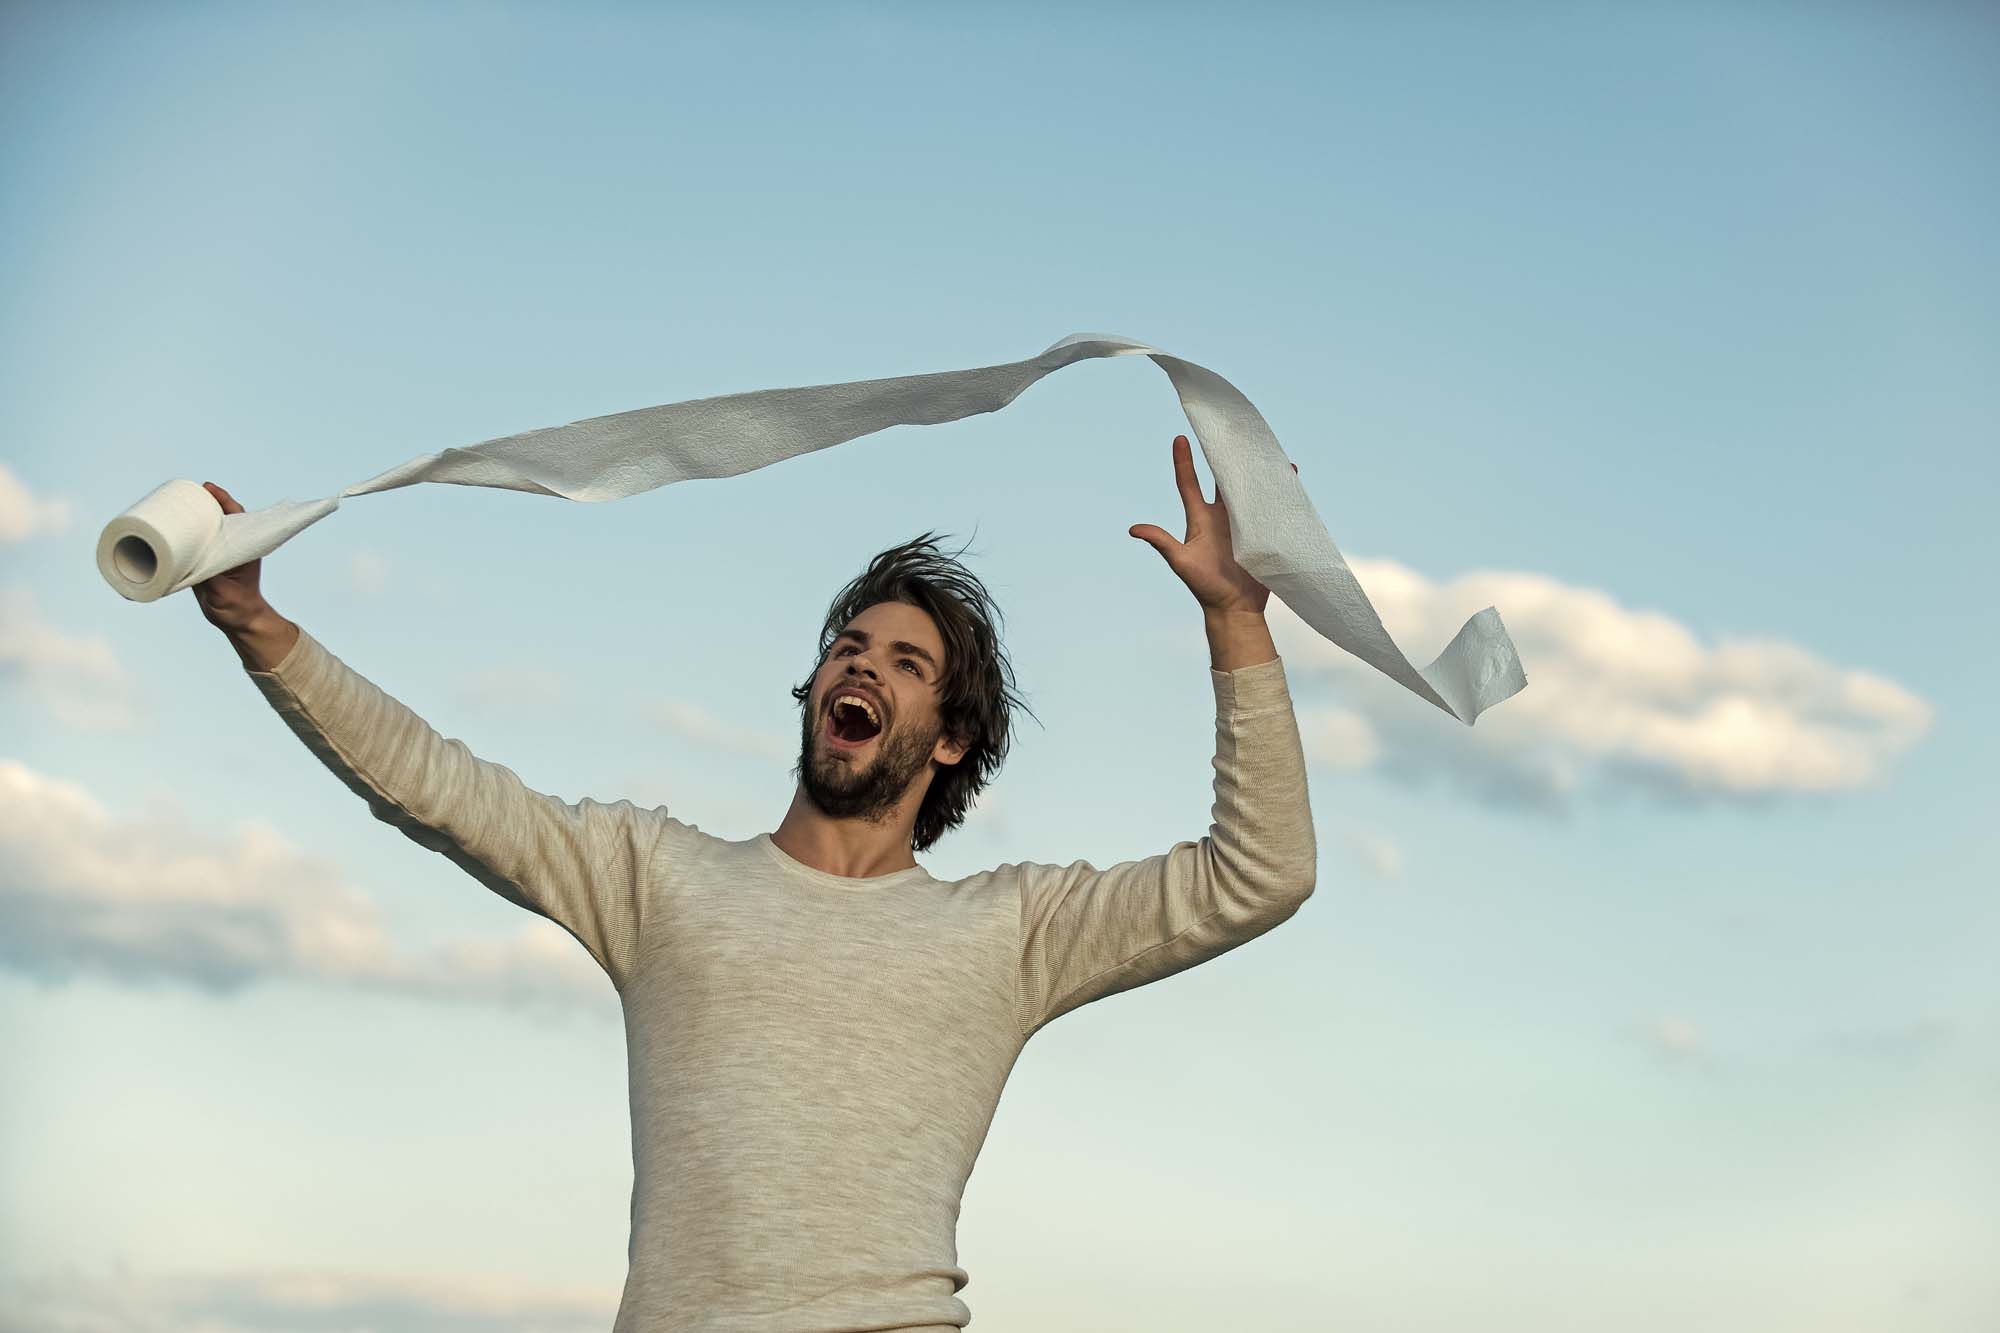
(78, 680)
(148, 898)
(121, 1300)
(699, 724)
(22, 515)
(1617, 700)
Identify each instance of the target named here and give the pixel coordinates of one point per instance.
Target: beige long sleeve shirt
(814, 1060)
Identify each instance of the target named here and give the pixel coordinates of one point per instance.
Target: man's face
(893, 655)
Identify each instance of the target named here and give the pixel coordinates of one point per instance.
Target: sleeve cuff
(291, 678)
(1253, 689)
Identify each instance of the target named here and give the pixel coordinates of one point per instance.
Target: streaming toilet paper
(178, 536)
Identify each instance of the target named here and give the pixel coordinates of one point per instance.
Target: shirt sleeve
(1087, 933)
(580, 865)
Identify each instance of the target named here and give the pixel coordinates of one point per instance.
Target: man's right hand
(233, 602)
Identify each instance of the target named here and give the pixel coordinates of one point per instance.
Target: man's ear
(955, 748)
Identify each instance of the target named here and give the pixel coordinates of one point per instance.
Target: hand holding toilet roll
(233, 599)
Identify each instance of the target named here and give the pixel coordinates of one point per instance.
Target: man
(818, 1031)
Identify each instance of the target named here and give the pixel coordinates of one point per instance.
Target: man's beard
(848, 785)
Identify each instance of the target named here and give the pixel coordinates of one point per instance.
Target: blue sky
(1662, 998)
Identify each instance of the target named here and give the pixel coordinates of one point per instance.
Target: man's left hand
(1204, 559)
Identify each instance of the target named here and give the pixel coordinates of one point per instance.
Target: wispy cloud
(1617, 700)
(305, 1300)
(1898, 1043)
(699, 799)
(371, 573)
(506, 689)
(1673, 1035)
(23, 514)
(699, 724)
(78, 680)
(150, 899)
(1677, 1042)
(989, 811)
(1376, 853)
(368, 571)
(1892, 1044)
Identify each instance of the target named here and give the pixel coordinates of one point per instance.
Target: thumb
(1154, 538)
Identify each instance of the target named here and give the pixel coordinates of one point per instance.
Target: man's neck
(851, 848)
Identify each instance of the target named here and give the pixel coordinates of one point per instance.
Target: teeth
(860, 703)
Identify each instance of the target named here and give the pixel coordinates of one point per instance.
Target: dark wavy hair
(976, 693)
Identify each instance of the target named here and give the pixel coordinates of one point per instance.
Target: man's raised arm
(581, 865)
(1087, 933)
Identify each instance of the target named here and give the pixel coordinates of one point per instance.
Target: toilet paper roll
(178, 536)
(156, 545)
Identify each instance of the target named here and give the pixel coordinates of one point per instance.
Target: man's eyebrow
(896, 644)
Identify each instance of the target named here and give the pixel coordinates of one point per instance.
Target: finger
(1153, 537)
(223, 498)
(1185, 479)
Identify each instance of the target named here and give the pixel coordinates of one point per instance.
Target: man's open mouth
(849, 724)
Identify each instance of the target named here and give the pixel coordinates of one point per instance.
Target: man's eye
(915, 670)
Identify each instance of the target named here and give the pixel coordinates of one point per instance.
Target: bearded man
(818, 1031)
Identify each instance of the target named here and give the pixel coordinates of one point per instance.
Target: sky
(1659, 999)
